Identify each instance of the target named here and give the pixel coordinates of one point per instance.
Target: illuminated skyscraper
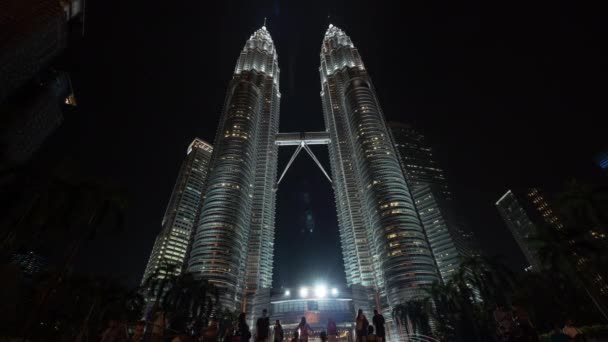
(384, 246)
(449, 241)
(233, 244)
(171, 245)
(386, 254)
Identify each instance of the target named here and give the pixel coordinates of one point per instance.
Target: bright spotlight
(287, 293)
(303, 292)
(320, 291)
(334, 291)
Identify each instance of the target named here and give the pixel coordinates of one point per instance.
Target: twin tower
(385, 251)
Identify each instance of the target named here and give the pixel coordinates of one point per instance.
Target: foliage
(188, 302)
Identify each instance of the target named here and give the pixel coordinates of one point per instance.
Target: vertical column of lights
(173, 241)
(393, 231)
(258, 272)
(221, 243)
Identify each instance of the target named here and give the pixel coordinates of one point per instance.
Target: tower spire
(264, 22)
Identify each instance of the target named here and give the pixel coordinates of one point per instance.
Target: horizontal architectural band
(297, 138)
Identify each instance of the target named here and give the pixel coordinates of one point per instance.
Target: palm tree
(182, 297)
(190, 298)
(414, 317)
(564, 251)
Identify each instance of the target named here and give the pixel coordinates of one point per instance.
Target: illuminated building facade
(384, 246)
(449, 241)
(386, 254)
(233, 243)
(317, 304)
(172, 243)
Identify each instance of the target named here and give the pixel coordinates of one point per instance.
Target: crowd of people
(365, 332)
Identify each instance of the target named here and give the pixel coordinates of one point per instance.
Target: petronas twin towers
(386, 254)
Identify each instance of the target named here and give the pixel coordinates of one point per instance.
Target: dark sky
(510, 95)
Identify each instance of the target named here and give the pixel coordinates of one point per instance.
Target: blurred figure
(211, 333)
(361, 326)
(295, 337)
(277, 331)
(504, 322)
(558, 336)
(370, 334)
(524, 325)
(304, 329)
(180, 326)
(323, 336)
(378, 321)
(332, 330)
(115, 332)
(228, 334)
(138, 332)
(262, 327)
(159, 322)
(243, 329)
(575, 334)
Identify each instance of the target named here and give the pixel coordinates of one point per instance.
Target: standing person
(262, 327)
(277, 331)
(361, 324)
(574, 333)
(378, 321)
(243, 329)
(332, 330)
(304, 330)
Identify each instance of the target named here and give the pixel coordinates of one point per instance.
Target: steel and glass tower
(172, 242)
(384, 245)
(449, 241)
(233, 243)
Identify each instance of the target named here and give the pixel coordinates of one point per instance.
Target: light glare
(287, 293)
(334, 291)
(303, 292)
(320, 291)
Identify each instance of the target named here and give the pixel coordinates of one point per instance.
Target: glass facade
(233, 243)
(521, 226)
(447, 238)
(172, 243)
(383, 242)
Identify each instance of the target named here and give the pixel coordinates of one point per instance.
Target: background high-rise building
(519, 217)
(449, 239)
(383, 241)
(233, 244)
(172, 243)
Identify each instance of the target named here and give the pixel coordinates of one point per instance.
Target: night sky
(509, 95)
